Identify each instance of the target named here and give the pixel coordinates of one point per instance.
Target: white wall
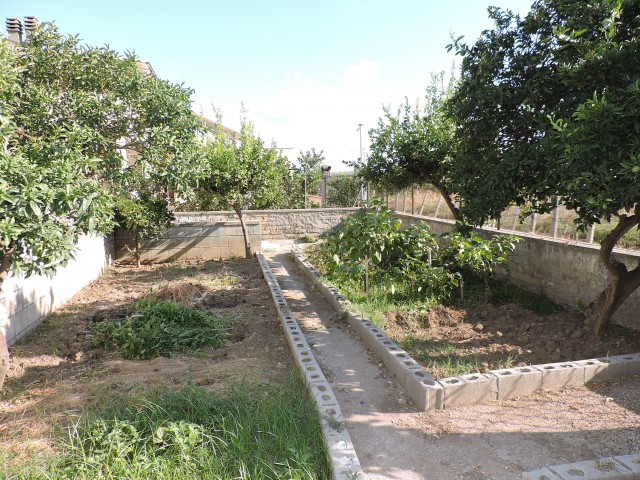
(26, 302)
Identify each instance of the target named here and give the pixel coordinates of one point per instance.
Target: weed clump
(160, 328)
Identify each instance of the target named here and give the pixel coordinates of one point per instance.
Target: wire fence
(558, 224)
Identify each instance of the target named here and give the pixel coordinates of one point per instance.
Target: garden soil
(57, 374)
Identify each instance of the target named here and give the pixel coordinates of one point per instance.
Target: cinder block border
(344, 460)
(621, 467)
(431, 394)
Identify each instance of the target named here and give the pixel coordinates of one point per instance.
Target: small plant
(158, 328)
(604, 465)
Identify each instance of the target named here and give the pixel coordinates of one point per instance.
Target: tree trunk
(5, 266)
(622, 282)
(455, 211)
(245, 234)
(138, 248)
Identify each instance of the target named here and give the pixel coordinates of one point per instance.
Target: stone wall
(25, 302)
(191, 241)
(567, 272)
(277, 224)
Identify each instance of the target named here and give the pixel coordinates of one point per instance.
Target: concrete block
(322, 394)
(605, 468)
(631, 462)
(517, 382)
(614, 369)
(313, 376)
(424, 390)
(542, 474)
(469, 389)
(398, 363)
(631, 364)
(594, 370)
(559, 375)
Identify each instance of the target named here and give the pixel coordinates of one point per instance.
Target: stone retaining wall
(567, 272)
(25, 302)
(276, 224)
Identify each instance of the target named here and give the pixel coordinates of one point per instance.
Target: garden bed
(450, 341)
(60, 378)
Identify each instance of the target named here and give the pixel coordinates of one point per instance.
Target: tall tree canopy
(67, 111)
(547, 105)
(242, 172)
(415, 145)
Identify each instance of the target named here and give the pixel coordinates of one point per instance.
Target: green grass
(250, 432)
(160, 329)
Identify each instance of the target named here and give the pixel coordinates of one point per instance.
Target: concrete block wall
(567, 272)
(25, 302)
(190, 241)
(276, 224)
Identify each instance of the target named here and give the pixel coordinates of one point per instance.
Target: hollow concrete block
(424, 390)
(562, 374)
(631, 462)
(605, 469)
(517, 382)
(631, 364)
(541, 474)
(469, 389)
(594, 369)
(398, 362)
(615, 369)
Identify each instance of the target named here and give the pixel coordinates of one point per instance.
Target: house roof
(210, 124)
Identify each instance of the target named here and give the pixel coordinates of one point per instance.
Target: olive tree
(547, 106)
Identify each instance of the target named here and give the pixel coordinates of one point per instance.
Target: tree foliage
(415, 145)
(242, 172)
(547, 106)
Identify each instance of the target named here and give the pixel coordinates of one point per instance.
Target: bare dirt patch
(497, 336)
(57, 373)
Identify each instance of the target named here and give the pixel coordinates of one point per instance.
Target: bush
(160, 329)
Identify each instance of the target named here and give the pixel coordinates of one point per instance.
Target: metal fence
(558, 224)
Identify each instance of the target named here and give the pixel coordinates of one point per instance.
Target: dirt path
(496, 441)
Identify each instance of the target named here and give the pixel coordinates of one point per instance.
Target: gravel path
(495, 441)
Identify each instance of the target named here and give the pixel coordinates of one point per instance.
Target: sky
(307, 72)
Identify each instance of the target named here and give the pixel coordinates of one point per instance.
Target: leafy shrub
(161, 328)
(372, 242)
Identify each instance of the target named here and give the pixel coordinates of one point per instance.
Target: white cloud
(361, 74)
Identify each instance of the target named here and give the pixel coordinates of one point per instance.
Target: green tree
(67, 113)
(415, 145)
(548, 106)
(101, 103)
(244, 173)
(309, 174)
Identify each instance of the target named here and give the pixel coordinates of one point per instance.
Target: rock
(478, 327)
(499, 334)
(578, 333)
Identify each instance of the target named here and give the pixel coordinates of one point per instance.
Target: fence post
(515, 218)
(412, 192)
(424, 200)
(438, 206)
(554, 231)
(404, 201)
(395, 203)
(592, 230)
(534, 218)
